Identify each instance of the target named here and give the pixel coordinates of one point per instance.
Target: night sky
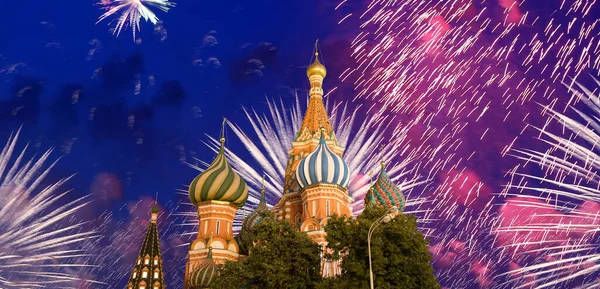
(127, 116)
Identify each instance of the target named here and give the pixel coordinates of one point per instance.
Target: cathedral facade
(315, 187)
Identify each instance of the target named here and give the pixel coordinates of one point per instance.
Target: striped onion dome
(203, 276)
(239, 239)
(322, 166)
(254, 218)
(385, 193)
(219, 182)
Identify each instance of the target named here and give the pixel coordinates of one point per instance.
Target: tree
(280, 257)
(400, 255)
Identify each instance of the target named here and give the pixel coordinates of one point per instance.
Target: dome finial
(262, 190)
(154, 212)
(262, 204)
(316, 68)
(223, 131)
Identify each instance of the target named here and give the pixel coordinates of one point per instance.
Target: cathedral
(315, 187)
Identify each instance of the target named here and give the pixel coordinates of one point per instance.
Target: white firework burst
(40, 237)
(132, 12)
(559, 241)
(271, 137)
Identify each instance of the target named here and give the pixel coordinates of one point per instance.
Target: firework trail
(564, 199)
(466, 72)
(132, 12)
(40, 239)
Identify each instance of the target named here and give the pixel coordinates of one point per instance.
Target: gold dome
(316, 68)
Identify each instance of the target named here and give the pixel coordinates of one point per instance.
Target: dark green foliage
(281, 258)
(400, 254)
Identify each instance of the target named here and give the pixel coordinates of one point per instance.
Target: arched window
(156, 261)
(147, 260)
(156, 285)
(142, 285)
(134, 274)
(327, 208)
(139, 260)
(145, 273)
(218, 226)
(156, 273)
(298, 219)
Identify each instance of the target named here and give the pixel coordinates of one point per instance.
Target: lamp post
(385, 219)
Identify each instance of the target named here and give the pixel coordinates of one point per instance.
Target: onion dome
(316, 68)
(322, 166)
(205, 274)
(385, 193)
(370, 198)
(219, 182)
(255, 217)
(239, 239)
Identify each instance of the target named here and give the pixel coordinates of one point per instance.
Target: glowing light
(131, 12)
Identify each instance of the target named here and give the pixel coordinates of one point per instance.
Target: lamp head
(387, 219)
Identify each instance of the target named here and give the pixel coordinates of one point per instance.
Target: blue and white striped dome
(322, 166)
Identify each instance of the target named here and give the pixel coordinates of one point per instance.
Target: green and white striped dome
(254, 218)
(219, 182)
(203, 276)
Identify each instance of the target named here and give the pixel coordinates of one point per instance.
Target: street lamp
(385, 219)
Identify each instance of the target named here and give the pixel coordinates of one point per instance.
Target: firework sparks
(273, 134)
(132, 12)
(465, 72)
(566, 200)
(40, 239)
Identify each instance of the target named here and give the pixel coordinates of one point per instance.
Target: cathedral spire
(316, 116)
(148, 270)
(262, 204)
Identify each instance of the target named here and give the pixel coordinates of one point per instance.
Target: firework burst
(559, 241)
(132, 12)
(271, 135)
(40, 239)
